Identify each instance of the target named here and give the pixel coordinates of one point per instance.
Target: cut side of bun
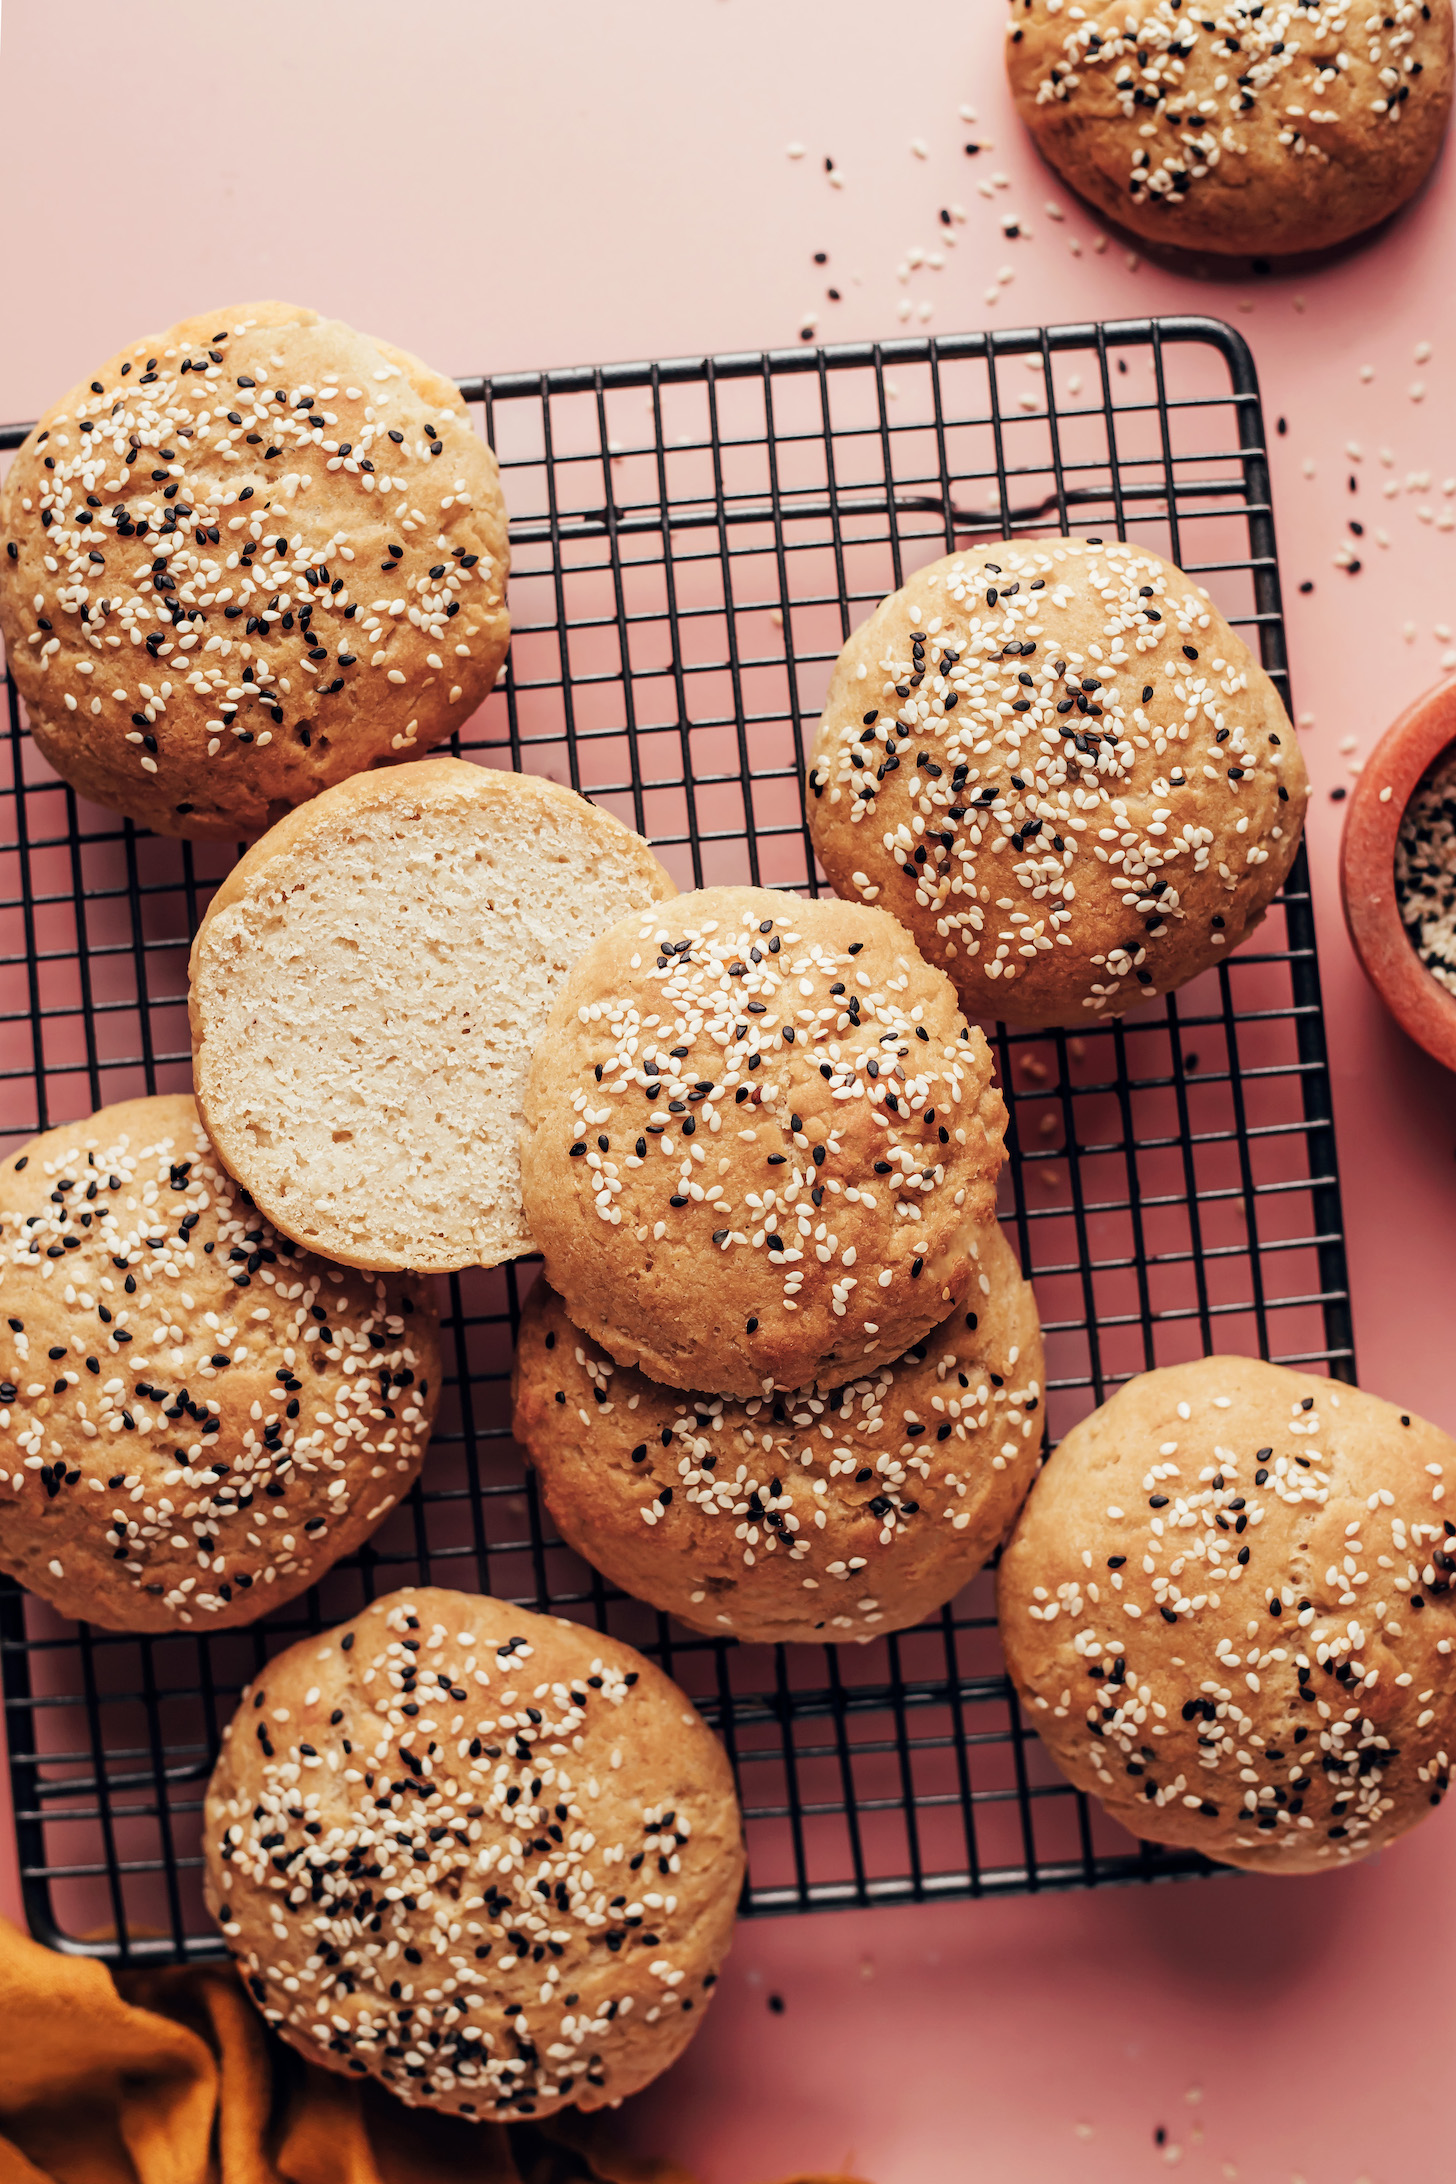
(367, 989)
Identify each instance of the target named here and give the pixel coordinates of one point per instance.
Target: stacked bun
(760, 1160)
(805, 1516)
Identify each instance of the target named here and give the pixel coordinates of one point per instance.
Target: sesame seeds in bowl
(1425, 870)
(1398, 871)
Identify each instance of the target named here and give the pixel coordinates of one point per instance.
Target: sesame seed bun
(491, 1859)
(1275, 129)
(1227, 1607)
(793, 1518)
(216, 603)
(759, 1141)
(1056, 762)
(196, 1418)
(367, 987)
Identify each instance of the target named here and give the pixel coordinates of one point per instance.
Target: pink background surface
(548, 184)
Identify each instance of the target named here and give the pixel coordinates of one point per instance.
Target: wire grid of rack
(691, 542)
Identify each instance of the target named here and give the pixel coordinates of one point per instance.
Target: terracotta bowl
(1420, 1004)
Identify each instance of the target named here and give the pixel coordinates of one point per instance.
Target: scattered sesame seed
(1425, 870)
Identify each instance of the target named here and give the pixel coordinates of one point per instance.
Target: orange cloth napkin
(171, 2077)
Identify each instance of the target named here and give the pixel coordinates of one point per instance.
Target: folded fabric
(171, 2077)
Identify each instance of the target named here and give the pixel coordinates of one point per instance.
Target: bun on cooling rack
(1059, 766)
(491, 1859)
(367, 987)
(1227, 1607)
(759, 1142)
(245, 559)
(798, 1517)
(196, 1418)
(1273, 128)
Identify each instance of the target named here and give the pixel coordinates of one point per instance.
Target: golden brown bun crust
(762, 993)
(133, 725)
(673, 1497)
(1234, 138)
(110, 1483)
(1288, 1741)
(1116, 872)
(583, 1858)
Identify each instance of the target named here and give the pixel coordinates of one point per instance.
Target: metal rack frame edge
(1148, 1863)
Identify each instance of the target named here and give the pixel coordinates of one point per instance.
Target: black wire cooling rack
(691, 543)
